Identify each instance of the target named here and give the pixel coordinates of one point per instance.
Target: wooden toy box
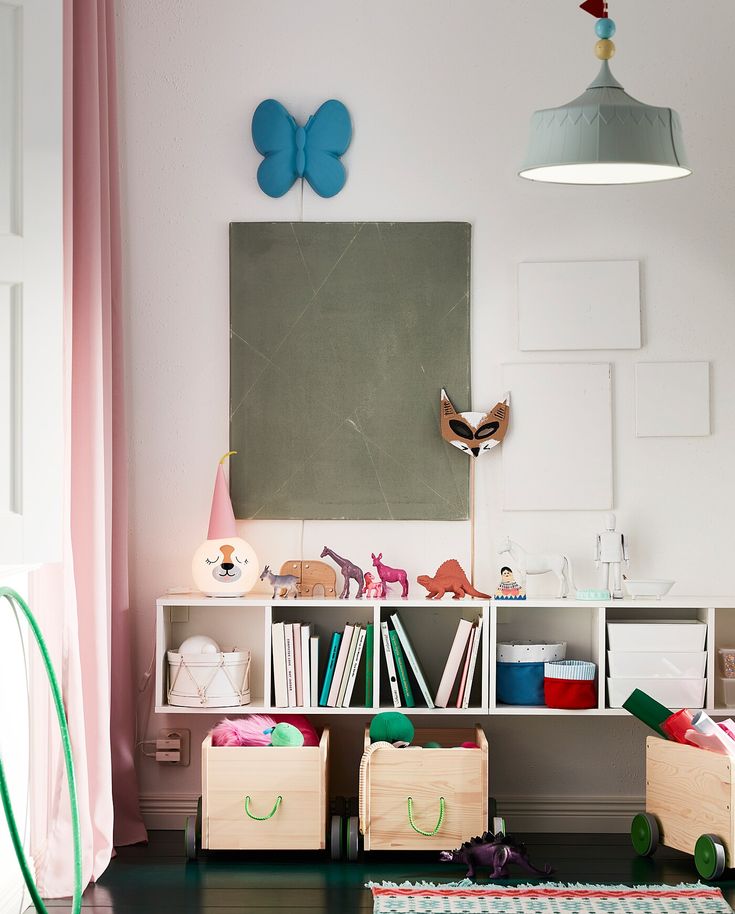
(458, 775)
(298, 776)
(691, 793)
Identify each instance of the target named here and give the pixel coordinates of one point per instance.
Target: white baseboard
(523, 814)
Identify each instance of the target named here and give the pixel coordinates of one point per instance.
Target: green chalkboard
(342, 336)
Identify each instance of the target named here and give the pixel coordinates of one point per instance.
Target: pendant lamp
(605, 136)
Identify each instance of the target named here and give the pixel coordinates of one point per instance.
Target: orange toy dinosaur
(449, 577)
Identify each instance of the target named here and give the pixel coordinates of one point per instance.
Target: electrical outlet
(184, 743)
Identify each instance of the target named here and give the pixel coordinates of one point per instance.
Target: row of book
(296, 665)
(399, 654)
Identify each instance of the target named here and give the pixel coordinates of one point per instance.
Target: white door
(31, 280)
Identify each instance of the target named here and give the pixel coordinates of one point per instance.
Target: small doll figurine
(610, 553)
(509, 588)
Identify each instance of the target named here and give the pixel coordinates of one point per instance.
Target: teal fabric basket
(520, 683)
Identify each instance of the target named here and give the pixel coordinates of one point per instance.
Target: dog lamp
(224, 565)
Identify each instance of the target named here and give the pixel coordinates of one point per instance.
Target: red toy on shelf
(449, 577)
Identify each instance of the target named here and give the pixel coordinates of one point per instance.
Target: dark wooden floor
(155, 879)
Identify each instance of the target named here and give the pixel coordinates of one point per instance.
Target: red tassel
(596, 8)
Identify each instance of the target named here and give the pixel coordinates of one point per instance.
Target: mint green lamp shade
(605, 137)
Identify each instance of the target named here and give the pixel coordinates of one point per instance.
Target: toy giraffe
(349, 571)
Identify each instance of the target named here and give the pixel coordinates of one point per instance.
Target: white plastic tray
(633, 635)
(674, 693)
(657, 664)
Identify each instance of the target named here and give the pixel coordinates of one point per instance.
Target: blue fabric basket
(520, 683)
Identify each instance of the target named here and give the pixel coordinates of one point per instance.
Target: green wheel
(353, 838)
(644, 834)
(709, 857)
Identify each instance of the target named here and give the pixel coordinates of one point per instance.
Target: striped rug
(467, 897)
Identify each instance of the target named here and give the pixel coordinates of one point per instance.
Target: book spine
(348, 667)
(369, 660)
(473, 663)
(329, 673)
(314, 670)
(390, 665)
(352, 678)
(402, 671)
(290, 665)
(413, 660)
(339, 669)
(306, 631)
(454, 660)
(298, 665)
(280, 696)
(465, 667)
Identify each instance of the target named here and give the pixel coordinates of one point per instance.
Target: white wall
(441, 95)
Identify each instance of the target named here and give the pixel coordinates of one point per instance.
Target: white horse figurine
(539, 563)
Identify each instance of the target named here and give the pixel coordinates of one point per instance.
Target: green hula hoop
(16, 601)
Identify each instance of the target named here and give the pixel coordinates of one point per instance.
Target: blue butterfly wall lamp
(312, 151)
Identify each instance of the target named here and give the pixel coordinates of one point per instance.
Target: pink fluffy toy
(254, 730)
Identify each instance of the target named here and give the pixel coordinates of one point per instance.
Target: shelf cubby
(327, 618)
(577, 623)
(431, 629)
(240, 630)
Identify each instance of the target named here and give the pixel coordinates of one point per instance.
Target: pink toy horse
(373, 588)
(390, 575)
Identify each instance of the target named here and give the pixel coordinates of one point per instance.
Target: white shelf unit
(246, 623)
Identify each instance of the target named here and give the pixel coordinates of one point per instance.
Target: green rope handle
(414, 826)
(270, 815)
(16, 601)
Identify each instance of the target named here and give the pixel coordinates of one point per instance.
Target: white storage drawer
(657, 664)
(674, 693)
(656, 636)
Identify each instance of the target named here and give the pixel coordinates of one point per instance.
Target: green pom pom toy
(391, 727)
(286, 735)
(432, 744)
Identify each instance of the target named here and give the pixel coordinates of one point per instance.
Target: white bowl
(656, 589)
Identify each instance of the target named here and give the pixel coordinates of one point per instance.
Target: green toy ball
(391, 727)
(432, 744)
(286, 735)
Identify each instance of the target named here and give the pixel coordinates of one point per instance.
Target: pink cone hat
(222, 518)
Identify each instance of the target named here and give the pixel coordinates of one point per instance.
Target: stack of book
(460, 665)
(400, 656)
(296, 666)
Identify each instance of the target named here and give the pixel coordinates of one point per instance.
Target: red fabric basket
(574, 694)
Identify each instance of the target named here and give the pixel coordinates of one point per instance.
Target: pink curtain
(85, 600)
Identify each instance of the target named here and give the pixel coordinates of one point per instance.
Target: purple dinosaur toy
(390, 575)
(495, 851)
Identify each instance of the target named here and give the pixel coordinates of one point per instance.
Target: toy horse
(540, 563)
(374, 588)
